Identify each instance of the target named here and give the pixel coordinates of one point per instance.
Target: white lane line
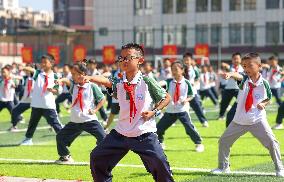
(25, 129)
(141, 166)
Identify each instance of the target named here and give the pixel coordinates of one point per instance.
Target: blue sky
(37, 4)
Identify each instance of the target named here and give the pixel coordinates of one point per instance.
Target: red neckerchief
(45, 84)
(236, 67)
(129, 88)
(79, 98)
(6, 82)
(274, 71)
(30, 86)
(177, 93)
(249, 99)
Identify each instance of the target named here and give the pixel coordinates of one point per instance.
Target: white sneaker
(280, 173)
(65, 160)
(163, 146)
(13, 129)
(205, 124)
(220, 171)
(27, 141)
(277, 127)
(22, 121)
(221, 118)
(199, 148)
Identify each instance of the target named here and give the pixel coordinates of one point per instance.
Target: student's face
(92, 66)
(187, 60)
(46, 64)
(273, 63)
(66, 69)
(177, 71)
(77, 76)
(251, 67)
(236, 60)
(5, 73)
(167, 63)
(130, 60)
(204, 69)
(147, 67)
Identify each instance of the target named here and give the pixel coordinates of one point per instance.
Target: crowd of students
(144, 93)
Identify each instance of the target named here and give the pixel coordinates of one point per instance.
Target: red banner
(79, 53)
(27, 54)
(170, 50)
(202, 50)
(55, 51)
(109, 54)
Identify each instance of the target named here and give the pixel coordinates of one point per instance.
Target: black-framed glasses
(127, 58)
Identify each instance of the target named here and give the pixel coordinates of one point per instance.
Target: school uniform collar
(44, 73)
(259, 81)
(137, 78)
(182, 80)
(83, 86)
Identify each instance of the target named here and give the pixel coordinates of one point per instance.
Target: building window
(201, 34)
(168, 6)
(143, 7)
(168, 34)
(272, 32)
(181, 6)
(235, 33)
(144, 35)
(216, 34)
(235, 5)
(249, 33)
(181, 35)
(216, 5)
(272, 4)
(201, 5)
(249, 4)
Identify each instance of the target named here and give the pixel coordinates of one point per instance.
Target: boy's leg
(264, 134)
(166, 121)
(214, 91)
(106, 155)
(226, 99)
(211, 96)
(231, 134)
(95, 129)
(231, 114)
(17, 111)
(276, 94)
(60, 98)
(34, 119)
(147, 146)
(66, 136)
(52, 119)
(2, 105)
(10, 106)
(195, 105)
(189, 127)
(202, 94)
(280, 114)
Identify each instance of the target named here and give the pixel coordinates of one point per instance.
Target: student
(213, 79)
(181, 93)
(279, 118)
(148, 70)
(192, 75)
(43, 98)
(274, 77)
(136, 127)
(7, 90)
(165, 72)
(83, 112)
(231, 89)
(25, 102)
(205, 87)
(65, 95)
(253, 96)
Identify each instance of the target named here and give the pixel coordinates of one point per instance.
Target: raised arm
(234, 75)
(100, 80)
(64, 80)
(30, 69)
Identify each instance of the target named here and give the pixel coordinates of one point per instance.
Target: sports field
(247, 154)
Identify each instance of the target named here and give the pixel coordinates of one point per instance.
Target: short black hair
(252, 55)
(91, 61)
(188, 54)
(236, 54)
(81, 67)
(135, 46)
(49, 57)
(273, 58)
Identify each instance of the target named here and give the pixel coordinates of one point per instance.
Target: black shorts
(115, 108)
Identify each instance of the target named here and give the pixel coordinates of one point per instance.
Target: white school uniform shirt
(260, 93)
(232, 83)
(204, 81)
(26, 98)
(8, 95)
(185, 92)
(213, 79)
(165, 73)
(274, 79)
(65, 89)
(192, 76)
(91, 93)
(147, 92)
(44, 100)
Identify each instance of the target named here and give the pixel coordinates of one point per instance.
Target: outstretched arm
(30, 69)
(100, 80)
(63, 80)
(233, 75)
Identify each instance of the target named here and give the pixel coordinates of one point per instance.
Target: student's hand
(226, 76)
(52, 90)
(92, 111)
(58, 82)
(260, 106)
(147, 115)
(86, 79)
